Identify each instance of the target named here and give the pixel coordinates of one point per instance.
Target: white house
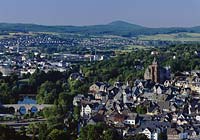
(151, 134)
(86, 111)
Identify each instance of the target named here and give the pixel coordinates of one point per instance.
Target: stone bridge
(27, 107)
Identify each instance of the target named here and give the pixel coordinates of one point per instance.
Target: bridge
(26, 107)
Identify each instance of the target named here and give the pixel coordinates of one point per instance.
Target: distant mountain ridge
(119, 28)
(120, 23)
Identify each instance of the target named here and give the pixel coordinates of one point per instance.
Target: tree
(141, 109)
(56, 134)
(137, 137)
(162, 136)
(98, 132)
(141, 137)
(32, 129)
(47, 93)
(111, 134)
(76, 113)
(55, 117)
(43, 131)
(65, 99)
(22, 131)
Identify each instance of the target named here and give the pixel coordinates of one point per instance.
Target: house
(132, 119)
(76, 76)
(118, 96)
(147, 132)
(153, 109)
(151, 134)
(6, 70)
(95, 119)
(109, 104)
(192, 133)
(173, 107)
(197, 118)
(195, 86)
(127, 98)
(183, 135)
(158, 89)
(152, 128)
(98, 86)
(167, 83)
(99, 95)
(117, 118)
(77, 99)
(86, 111)
(164, 106)
(112, 91)
(173, 134)
(136, 91)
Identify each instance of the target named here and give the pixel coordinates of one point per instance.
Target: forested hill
(119, 28)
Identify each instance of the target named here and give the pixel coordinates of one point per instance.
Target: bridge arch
(26, 108)
(34, 109)
(11, 110)
(22, 110)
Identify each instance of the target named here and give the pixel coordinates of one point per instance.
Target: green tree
(43, 131)
(56, 134)
(162, 136)
(65, 99)
(47, 93)
(76, 113)
(137, 137)
(33, 130)
(111, 134)
(141, 109)
(22, 131)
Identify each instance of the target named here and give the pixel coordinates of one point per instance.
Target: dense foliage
(98, 132)
(10, 134)
(102, 132)
(130, 66)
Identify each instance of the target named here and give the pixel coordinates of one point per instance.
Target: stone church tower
(153, 72)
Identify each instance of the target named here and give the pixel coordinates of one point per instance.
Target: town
(161, 105)
(23, 53)
(156, 110)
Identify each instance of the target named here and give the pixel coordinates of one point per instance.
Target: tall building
(156, 73)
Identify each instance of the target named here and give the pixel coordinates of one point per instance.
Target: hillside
(119, 28)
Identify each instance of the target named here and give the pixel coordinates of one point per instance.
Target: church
(156, 73)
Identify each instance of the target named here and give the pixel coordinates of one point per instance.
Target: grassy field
(13, 35)
(173, 37)
(127, 49)
(6, 36)
(132, 47)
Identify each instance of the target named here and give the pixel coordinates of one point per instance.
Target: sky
(149, 13)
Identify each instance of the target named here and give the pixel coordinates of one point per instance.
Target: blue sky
(150, 13)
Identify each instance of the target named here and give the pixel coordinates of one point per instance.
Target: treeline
(181, 57)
